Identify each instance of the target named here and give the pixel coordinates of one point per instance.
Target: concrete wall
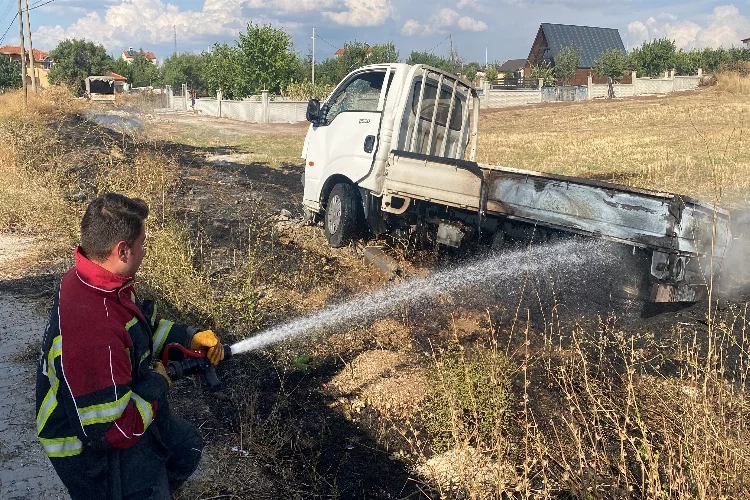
(686, 82)
(653, 86)
(504, 98)
(264, 110)
(621, 90)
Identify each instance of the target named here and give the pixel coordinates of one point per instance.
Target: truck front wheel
(342, 215)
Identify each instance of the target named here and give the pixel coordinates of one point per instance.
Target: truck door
(346, 139)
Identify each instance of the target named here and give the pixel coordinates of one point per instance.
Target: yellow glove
(207, 341)
(158, 367)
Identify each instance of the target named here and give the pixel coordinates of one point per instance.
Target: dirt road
(25, 472)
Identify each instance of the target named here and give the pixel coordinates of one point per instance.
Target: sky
(493, 30)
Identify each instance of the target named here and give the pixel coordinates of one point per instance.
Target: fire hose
(180, 362)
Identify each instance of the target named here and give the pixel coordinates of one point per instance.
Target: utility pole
(23, 56)
(175, 38)
(31, 46)
(313, 57)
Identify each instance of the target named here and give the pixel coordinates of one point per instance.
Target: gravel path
(25, 471)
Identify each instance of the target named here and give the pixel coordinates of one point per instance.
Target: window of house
(47, 63)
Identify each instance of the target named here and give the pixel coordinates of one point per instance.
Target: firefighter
(101, 395)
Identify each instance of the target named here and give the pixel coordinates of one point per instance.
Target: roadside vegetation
(495, 399)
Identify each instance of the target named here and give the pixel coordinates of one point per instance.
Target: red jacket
(95, 386)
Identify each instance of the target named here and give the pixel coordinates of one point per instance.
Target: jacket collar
(96, 276)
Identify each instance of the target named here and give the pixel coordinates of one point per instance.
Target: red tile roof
(118, 78)
(147, 54)
(39, 55)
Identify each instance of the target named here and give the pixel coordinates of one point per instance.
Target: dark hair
(110, 218)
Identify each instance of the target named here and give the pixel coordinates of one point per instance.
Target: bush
(303, 91)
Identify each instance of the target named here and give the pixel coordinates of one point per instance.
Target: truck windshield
(362, 93)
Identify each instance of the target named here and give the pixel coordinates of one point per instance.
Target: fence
(515, 83)
(262, 109)
(492, 97)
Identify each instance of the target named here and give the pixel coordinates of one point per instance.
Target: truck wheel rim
(334, 214)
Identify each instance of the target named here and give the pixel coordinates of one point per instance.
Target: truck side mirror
(313, 111)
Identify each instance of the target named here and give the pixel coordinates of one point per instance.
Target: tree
(122, 68)
(267, 61)
(328, 72)
(385, 53)
(470, 71)
(544, 72)
(10, 73)
(490, 73)
(143, 72)
(613, 64)
(687, 63)
(655, 57)
(184, 68)
(566, 64)
(355, 55)
(77, 59)
(222, 71)
(430, 60)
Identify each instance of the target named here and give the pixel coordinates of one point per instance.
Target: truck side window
(361, 94)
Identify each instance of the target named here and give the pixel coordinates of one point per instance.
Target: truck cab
(374, 110)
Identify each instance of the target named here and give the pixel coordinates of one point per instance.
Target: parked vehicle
(394, 146)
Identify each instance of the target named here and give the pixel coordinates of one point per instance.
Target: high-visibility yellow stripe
(49, 403)
(48, 406)
(130, 323)
(62, 447)
(105, 412)
(153, 316)
(160, 336)
(145, 409)
(144, 356)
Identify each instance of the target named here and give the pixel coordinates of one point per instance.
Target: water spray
(569, 254)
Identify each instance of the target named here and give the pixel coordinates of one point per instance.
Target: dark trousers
(162, 459)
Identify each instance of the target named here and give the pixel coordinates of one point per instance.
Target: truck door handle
(369, 143)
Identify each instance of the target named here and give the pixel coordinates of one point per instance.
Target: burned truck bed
(687, 239)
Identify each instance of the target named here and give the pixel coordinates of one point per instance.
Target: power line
(8, 29)
(38, 4)
(326, 41)
(7, 10)
(436, 46)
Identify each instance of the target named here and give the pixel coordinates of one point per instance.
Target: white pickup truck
(393, 147)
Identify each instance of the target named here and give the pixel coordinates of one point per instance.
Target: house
(746, 41)
(121, 83)
(40, 69)
(592, 42)
(515, 66)
(129, 55)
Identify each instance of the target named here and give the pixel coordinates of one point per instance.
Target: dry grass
(692, 143)
(596, 418)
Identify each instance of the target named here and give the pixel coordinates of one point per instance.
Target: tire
(342, 218)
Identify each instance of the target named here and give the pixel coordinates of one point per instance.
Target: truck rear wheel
(342, 219)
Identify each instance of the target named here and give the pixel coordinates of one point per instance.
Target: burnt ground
(282, 427)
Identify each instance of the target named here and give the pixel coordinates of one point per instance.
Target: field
(539, 384)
